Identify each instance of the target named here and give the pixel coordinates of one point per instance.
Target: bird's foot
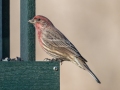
(58, 59)
(47, 59)
(54, 59)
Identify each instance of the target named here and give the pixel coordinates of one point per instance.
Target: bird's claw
(47, 59)
(57, 59)
(54, 59)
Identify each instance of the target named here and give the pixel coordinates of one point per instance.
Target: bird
(56, 44)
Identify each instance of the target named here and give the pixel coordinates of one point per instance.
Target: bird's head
(40, 21)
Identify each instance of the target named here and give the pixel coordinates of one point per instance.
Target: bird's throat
(38, 26)
(39, 37)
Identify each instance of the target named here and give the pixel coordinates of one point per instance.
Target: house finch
(57, 45)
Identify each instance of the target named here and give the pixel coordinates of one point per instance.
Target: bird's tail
(91, 73)
(84, 66)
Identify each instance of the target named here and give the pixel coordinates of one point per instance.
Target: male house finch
(57, 45)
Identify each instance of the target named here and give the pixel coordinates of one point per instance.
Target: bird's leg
(61, 61)
(54, 59)
(58, 59)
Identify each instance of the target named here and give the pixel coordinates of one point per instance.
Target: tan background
(93, 26)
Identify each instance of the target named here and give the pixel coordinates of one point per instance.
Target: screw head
(55, 68)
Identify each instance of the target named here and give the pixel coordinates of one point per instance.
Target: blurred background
(93, 26)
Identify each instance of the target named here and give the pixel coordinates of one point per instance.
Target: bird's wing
(57, 39)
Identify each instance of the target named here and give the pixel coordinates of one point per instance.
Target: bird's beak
(31, 21)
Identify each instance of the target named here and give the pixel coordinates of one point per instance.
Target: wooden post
(27, 32)
(4, 28)
(0, 29)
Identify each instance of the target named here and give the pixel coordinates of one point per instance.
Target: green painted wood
(0, 29)
(27, 32)
(29, 76)
(4, 28)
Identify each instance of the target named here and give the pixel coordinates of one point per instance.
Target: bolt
(55, 68)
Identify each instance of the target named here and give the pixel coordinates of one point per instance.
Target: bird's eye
(38, 19)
